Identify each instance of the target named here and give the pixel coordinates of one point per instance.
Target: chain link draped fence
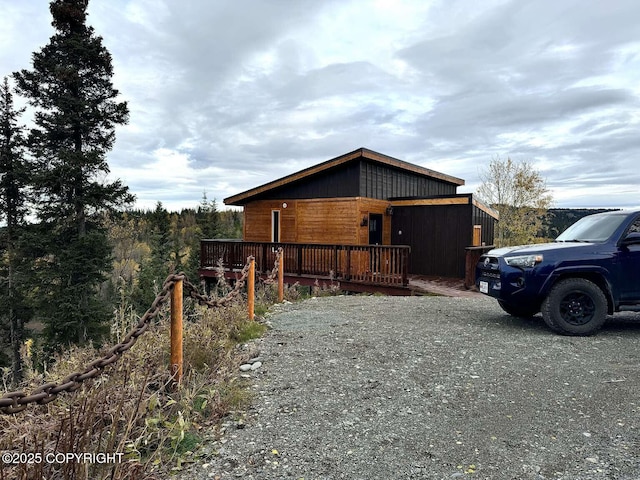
(17, 401)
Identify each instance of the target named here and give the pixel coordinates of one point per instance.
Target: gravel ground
(368, 387)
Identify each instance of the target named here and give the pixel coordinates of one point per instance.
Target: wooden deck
(356, 268)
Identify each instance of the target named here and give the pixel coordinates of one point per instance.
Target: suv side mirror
(632, 238)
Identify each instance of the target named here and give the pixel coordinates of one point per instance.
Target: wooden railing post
(251, 287)
(347, 273)
(176, 332)
(405, 266)
(281, 276)
(204, 258)
(263, 260)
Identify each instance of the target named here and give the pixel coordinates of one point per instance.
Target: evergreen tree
(77, 112)
(14, 179)
(230, 224)
(208, 218)
(207, 225)
(155, 268)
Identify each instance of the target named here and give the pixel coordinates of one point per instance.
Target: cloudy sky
(227, 95)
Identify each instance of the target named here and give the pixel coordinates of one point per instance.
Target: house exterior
(368, 198)
(440, 231)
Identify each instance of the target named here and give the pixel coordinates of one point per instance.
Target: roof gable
(335, 163)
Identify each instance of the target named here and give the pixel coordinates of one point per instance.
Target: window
(275, 226)
(592, 228)
(635, 226)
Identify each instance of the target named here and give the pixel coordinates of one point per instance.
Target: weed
(248, 331)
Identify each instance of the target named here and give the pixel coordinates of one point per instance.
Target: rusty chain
(193, 292)
(15, 402)
(271, 278)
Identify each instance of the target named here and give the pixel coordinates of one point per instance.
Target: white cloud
(225, 97)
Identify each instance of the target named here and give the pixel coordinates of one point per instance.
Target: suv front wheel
(575, 306)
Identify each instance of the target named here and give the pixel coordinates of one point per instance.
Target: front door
(375, 238)
(375, 229)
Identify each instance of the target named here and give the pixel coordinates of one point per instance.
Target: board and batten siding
(360, 179)
(487, 221)
(341, 181)
(383, 182)
(439, 230)
(437, 236)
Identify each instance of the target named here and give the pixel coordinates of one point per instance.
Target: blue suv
(590, 271)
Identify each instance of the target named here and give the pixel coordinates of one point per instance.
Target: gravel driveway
(368, 387)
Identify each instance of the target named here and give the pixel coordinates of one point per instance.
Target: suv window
(593, 228)
(635, 226)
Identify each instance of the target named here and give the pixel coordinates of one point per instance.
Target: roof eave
(244, 197)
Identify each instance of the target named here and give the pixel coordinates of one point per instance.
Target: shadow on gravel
(624, 322)
(508, 323)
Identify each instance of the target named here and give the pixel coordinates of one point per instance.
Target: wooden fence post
(281, 276)
(176, 332)
(251, 287)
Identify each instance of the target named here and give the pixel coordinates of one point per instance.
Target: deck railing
(373, 264)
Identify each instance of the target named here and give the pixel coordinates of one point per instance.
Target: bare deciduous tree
(519, 193)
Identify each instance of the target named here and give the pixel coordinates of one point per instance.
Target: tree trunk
(14, 321)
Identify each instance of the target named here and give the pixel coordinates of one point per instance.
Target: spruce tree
(14, 180)
(76, 114)
(208, 218)
(155, 268)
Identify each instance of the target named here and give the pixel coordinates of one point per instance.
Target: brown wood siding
(371, 205)
(332, 220)
(327, 220)
(384, 182)
(257, 221)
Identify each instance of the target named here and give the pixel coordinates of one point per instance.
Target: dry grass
(133, 410)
